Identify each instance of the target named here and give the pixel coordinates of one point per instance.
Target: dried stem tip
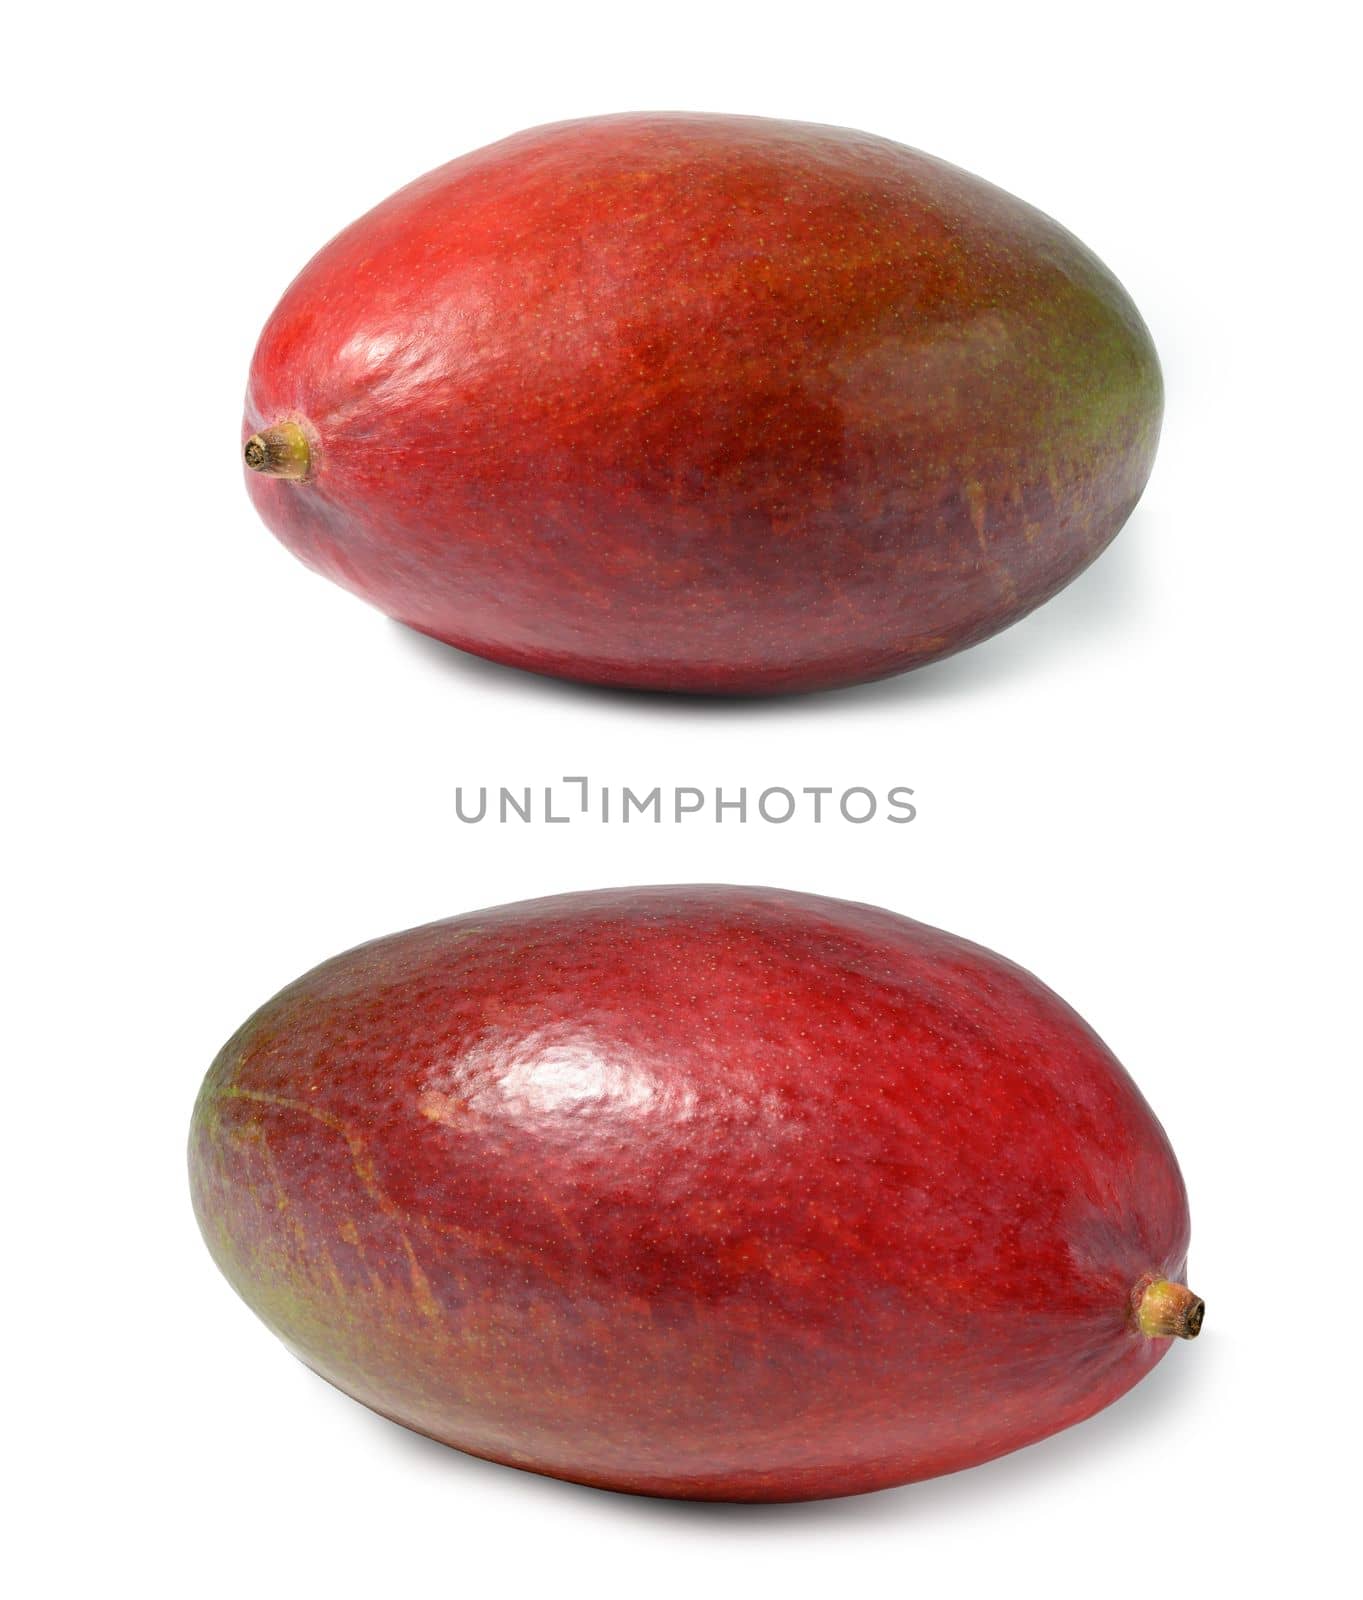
(280, 451)
(1169, 1311)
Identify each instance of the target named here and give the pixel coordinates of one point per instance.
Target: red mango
(702, 403)
(709, 1192)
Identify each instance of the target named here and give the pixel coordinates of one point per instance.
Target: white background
(227, 770)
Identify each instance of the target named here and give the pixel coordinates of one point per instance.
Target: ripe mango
(712, 404)
(699, 1191)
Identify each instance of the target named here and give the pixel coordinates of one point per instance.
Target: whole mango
(709, 1192)
(702, 403)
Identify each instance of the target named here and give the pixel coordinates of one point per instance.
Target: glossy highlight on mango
(698, 1191)
(710, 404)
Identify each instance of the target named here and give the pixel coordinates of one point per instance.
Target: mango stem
(1169, 1311)
(279, 451)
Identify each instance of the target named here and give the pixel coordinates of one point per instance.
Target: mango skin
(712, 404)
(698, 1191)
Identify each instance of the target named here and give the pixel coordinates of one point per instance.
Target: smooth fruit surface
(702, 403)
(700, 1191)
